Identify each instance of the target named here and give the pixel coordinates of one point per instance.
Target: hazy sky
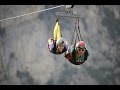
(27, 60)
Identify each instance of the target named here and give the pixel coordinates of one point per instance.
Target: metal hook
(57, 18)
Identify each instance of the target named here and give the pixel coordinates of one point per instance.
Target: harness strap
(79, 32)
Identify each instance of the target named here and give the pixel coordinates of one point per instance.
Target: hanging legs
(57, 32)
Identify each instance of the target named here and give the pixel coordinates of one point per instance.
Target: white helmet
(60, 40)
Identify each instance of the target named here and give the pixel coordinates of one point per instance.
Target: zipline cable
(31, 13)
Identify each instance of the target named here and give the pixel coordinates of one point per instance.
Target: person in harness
(77, 54)
(57, 44)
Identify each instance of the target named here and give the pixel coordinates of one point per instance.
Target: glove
(50, 41)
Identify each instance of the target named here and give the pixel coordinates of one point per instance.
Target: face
(60, 47)
(81, 51)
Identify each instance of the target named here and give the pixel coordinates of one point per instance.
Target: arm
(86, 54)
(68, 53)
(69, 49)
(50, 44)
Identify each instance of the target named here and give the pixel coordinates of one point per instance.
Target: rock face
(26, 60)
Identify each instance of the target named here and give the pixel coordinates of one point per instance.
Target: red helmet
(80, 44)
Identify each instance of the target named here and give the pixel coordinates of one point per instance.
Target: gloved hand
(50, 41)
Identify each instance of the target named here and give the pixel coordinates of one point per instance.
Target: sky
(26, 60)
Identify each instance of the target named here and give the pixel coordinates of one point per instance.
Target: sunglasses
(79, 49)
